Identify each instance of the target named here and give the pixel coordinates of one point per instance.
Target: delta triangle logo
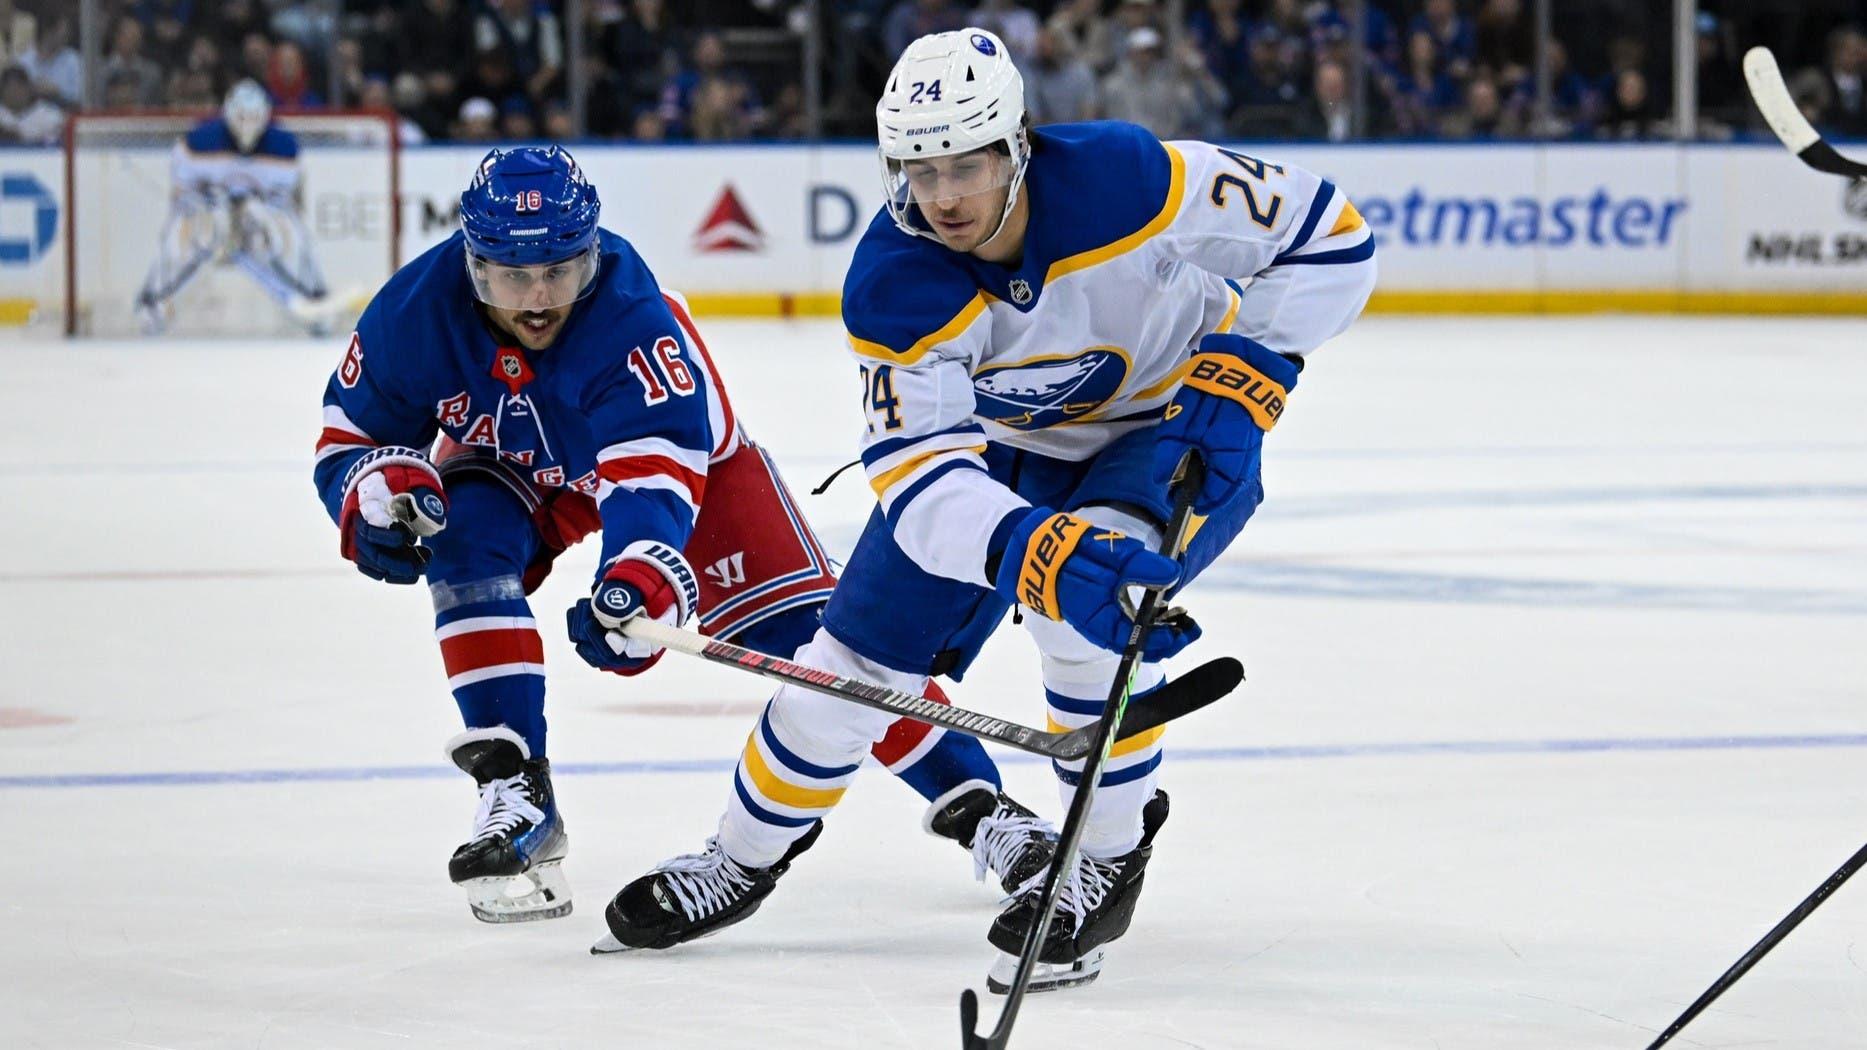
(729, 227)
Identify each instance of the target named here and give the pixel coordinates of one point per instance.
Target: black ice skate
(511, 867)
(1006, 839)
(692, 896)
(1093, 908)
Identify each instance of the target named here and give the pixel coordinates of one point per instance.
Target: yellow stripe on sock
(1137, 742)
(783, 792)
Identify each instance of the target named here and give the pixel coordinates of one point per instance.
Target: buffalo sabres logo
(1045, 391)
(1020, 291)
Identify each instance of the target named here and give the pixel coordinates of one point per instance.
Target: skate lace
(504, 804)
(1082, 890)
(1001, 838)
(703, 883)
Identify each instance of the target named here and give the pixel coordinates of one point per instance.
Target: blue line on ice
(722, 766)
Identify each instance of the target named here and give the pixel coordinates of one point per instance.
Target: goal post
(118, 192)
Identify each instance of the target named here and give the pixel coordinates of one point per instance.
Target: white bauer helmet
(950, 93)
(247, 111)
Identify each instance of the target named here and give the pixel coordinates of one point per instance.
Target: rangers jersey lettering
(582, 413)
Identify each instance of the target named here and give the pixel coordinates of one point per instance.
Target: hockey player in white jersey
(1046, 322)
(235, 202)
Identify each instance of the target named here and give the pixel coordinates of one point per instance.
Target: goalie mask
(247, 111)
(529, 219)
(951, 129)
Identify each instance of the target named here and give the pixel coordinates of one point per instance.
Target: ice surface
(1555, 636)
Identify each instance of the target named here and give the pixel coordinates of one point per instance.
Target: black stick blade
(1203, 685)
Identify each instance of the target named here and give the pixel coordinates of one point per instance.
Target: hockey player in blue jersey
(524, 384)
(1046, 322)
(235, 201)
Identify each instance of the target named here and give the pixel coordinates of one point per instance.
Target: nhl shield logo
(509, 364)
(1020, 291)
(1854, 199)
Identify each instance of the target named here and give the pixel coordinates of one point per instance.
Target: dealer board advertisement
(1458, 226)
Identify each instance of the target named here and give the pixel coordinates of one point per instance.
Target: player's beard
(533, 329)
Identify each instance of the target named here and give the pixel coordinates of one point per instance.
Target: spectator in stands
(255, 58)
(436, 38)
(708, 88)
(558, 126)
(409, 93)
(1329, 113)
(1224, 35)
(913, 19)
(1058, 86)
(1723, 101)
(233, 23)
(1846, 112)
(1271, 109)
(289, 81)
(529, 36)
(493, 79)
(516, 123)
(1079, 25)
(648, 125)
(167, 21)
(122, 90)
(190, 89)
(1505, 44)
(640, 50)
(53, 64)
(18, 30)
(1425, 91)
(1014, 24)
(375, 93)
(1486, 113)
(1131, 15)
(1576, 103)
(1453, 40)
(1630, 111)
(126, 58)
(1172, 99)
(476, 123)
(24, 117)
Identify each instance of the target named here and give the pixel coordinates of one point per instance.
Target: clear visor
(961, 187)
(544, 287)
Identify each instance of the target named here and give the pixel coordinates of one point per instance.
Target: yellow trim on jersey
(887, 479)
(783, 792)
(1348, 221)
(1176, 186)
(912, 355)
(1051, 543)
(1225, 323)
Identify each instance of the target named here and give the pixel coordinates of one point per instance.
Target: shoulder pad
(905, 294)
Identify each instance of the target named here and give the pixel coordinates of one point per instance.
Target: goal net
(121, 198)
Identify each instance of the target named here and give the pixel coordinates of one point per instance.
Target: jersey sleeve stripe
(893, 509)
(1361, 252)
(886, 480)
(912, 355)
(1231, 313)
(653, 472)
(959, 436)
(692, 460)
(1325, 192)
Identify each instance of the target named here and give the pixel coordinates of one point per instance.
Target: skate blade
(542, 893)
(1046, 977)
(609, 945)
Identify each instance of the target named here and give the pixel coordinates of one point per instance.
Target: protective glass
(940, 186)
(544, 287)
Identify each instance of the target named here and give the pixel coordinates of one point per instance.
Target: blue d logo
(19, 247)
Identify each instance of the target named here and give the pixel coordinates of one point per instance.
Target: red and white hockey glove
(392, 500)
(647, 579)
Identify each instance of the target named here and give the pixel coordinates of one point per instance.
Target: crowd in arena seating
(727, 70)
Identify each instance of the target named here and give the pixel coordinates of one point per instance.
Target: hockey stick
(1780, 110)
(1184, 695)
(1108, 727)
(1762, 947)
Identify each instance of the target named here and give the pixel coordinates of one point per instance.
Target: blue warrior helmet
(529, 217)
